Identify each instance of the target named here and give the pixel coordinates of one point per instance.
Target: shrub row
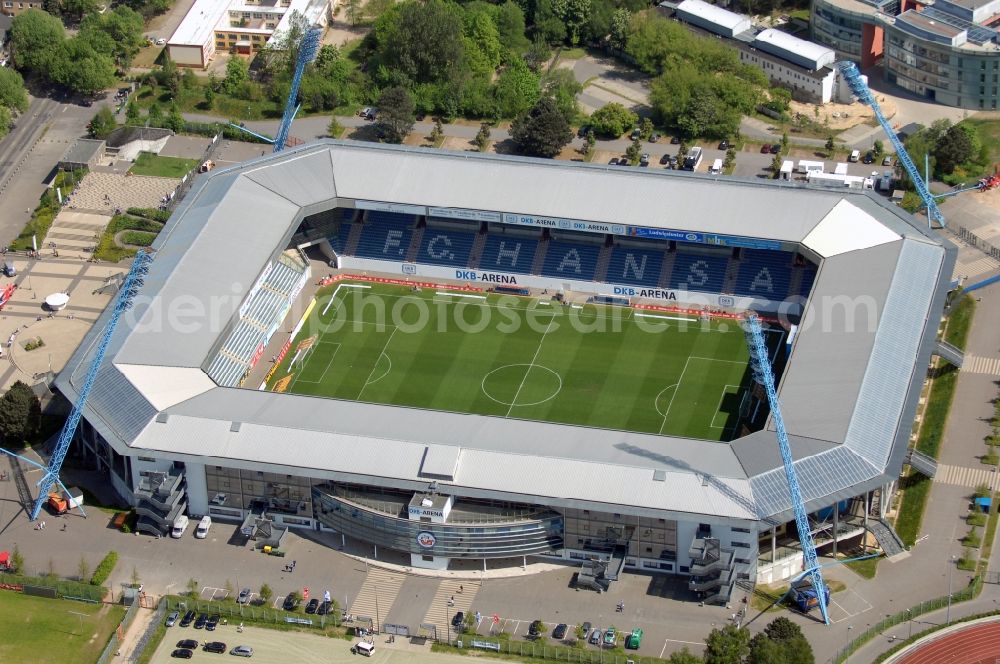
(104, 569)
(150, 213)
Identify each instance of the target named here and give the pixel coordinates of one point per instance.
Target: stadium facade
(174, 422)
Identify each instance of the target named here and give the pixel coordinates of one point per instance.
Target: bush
(990, 459)
(976, 519)
(972, 539)
(104, 569)
(138, 238)
(150, 213)
(613, 120)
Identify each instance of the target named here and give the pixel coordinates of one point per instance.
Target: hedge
(63, 587)
(150, 213)
(104, 569)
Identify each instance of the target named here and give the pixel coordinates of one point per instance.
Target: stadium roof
(875, 305)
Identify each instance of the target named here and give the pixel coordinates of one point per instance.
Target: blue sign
(665, 234)
(747, 242)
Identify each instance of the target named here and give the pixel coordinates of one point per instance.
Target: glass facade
(837, 28)
(236, 489)
(466, 539)
(966, 78)
(587, 530)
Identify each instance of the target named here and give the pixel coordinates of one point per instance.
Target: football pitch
(521, 357)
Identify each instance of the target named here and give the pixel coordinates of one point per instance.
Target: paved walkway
(127, 191)
(968, 476)
(76, 233)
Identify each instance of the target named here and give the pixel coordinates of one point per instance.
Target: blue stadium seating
(630, 265)
(698, 272)
(763, 273)
(504, 253)
(808, 276)
(444, 246)
(567, 260)
(386, 235)
(339, 241)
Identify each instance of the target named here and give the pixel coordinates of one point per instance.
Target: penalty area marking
(718, 410)
(471, 297)
(333, 295)
(329, 363)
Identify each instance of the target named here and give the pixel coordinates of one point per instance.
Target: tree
(209, 97)
(34, 37)
(516, 90)
(354, 11)
(192, 588)
(266, 594)
(102, 124)
(79, 8)
(574, 15)
(646, 129)
(776, 165)
(620, 21)
(782, 629)
(12, 92)
(237, 75)
(634, 152)
(395, 115)
(421, 42)
(543, 131)
(17, 560)
(509, 18)
(612, 120)
(781, 642)
(684, 657)
(175, 121)
(878, 147)
(334, 129)
(79, 67)
(135, 577)
(728, 645)
(82, 570)
(829, 144)
(482, 139)
(6, 120)
(562, 86)
(20, 415)
(132, 114)
(954, 147)
(116, 33)
(784, 141)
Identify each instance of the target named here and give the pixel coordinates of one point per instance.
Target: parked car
(724, 144)
(559, 633)
(673, 161)
(324, 608)
(585, 629)
(636, 134)
(613, 161)
(610, 637)
(187, 619)
(172, 618)
(244, 597)
(776, 148)
(190, 644)
(312, 605)
(200, 622)
(869, 157)
(242, 651)
(458, 619)
(887, 161)
(634, 640)
(644, 159)
(535, 629)
(765, 149)
(623, 160)
(595, 637)
(215, 646)
(654, 137)
(213, 622)
(675, 140)
(182, 653)
(664, 160)
(291, 602)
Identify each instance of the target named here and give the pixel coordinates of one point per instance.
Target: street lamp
(847, 643)
(951, 569)
(909, 618)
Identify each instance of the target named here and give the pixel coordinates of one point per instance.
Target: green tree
(237, 75)
(192, 588)
(620, 23)
(517, 89)
(334, 129)
(266, 594)
(35, 36)
(728, 645)
(116, 33)
(17, 559)
(574, 15)
(395, 115)
(6, 121)
(633, 152)
(79, 8)
(646, 129)
(354, 11)
(420, 42)
(708, 114)
(20, 415)
(779, 100)
(12, 92)
(776, 165)
(543, 131)
(132, 114)
(175, 121)
(102, 124)
(77, 66)
(612, 120)
(782, 629)
(136, 581)
(830, 144)
(878, 147)
(209, 97)
(684, 657)
(562, 86)
(765, 651)
(437, 133)
(509, 19)
(784, 141)
(82, 570)
(482, 139)
(482, 40)
(954, 147)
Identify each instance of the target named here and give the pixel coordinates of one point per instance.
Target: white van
(716, 168)
(855, 155)
(363, 648)
(201, 532)
(180, 525)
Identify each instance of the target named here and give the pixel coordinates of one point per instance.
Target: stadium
(453, 356)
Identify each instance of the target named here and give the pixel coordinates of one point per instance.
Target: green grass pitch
(519, 357)
(51, 631)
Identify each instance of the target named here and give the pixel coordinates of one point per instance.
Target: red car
(765, 149)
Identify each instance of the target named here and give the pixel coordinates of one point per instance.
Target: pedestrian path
(970, 477)
(378, 593)
(974, 264)
(75, 233)
(443, 608)
(981, 365)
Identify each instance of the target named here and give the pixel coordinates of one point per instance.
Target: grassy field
(148, 163)
(39, 630)
(520, 357)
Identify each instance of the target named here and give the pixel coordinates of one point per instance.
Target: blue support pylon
(764, 375)
(864, 94)
(308, 48)
(130, 287)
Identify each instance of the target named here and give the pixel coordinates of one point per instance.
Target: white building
(237, 26)
(712, 18)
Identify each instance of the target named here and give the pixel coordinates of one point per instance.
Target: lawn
(39, 630)
(148, 163)
(508, 356)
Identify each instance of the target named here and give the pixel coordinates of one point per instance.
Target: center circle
(521, 384)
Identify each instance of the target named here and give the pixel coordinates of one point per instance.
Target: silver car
(172, 618)
(242, 651)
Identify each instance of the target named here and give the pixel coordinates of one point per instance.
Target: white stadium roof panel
(167, 386)
(846, 228)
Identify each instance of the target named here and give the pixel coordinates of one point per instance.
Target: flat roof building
(712, 18)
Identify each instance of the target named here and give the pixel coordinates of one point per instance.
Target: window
(150, 459)
(232, 36)
(427, 559)
(740, 530)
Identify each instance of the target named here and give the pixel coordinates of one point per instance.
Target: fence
(154, 625)
(259, 614)
(62, 588)
(974, 240)
(111, 650)
(967, 593)
(554, 653)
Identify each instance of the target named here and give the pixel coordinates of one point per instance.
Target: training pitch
(521, 357)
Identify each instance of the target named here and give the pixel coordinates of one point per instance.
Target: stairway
(603, 261)
(377, 595)
(440, 613)
(732, 271)
(414, 249)
(476, 253)
(352, 239)
(922, 463)
(539, 261)
(886, 537)
(795, 282)
(667, 268)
